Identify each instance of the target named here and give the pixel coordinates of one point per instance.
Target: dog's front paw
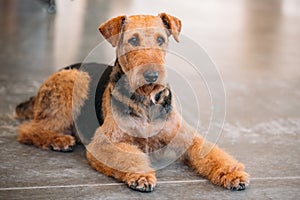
(63, 143)
(142, 182)
(233, 179)
(238, 180)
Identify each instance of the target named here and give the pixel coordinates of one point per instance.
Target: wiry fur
(115, 150)
(51, 125)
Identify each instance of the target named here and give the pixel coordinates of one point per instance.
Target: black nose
(151, 76)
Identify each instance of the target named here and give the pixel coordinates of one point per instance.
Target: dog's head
(141, 41)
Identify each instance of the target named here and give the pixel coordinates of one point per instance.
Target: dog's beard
(149, 89)
(145, 103)
(158, 97)
(142, 115)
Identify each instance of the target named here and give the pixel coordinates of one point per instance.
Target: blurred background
(255, 45)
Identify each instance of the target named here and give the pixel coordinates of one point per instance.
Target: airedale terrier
(138, 110)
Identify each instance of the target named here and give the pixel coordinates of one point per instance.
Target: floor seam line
(119, 184)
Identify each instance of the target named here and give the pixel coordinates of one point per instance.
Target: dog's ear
(111, 29)
(172, 24)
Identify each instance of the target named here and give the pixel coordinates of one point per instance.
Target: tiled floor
(255, 45)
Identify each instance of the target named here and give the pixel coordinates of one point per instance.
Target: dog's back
(25, 110)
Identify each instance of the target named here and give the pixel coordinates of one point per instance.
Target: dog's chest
(153, 143)
(158, 139)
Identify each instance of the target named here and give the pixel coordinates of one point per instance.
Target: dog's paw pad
(63, 143)
(142, 183)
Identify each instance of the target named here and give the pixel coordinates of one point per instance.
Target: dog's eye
(134, 41)
(160, 40)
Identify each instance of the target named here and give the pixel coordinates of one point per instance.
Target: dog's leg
(216, 165)
(36, 134)
(210, 161)
(122, 161)
(57, 103)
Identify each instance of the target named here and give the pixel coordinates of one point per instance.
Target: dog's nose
(151, 76)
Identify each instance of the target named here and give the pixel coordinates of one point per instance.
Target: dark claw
(68, 150)
(132, 187)
(151, 188)
(146, 188)
(135, 184)
(242, 186)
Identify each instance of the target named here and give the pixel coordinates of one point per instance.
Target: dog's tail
(25, 109)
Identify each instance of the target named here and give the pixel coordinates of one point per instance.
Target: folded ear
(172, 24)
(111, 29)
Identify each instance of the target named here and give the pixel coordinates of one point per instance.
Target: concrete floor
(255, 45)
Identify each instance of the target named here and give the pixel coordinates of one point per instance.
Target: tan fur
(53, 115)
(24, 110)
(216, 165)
(114, 151)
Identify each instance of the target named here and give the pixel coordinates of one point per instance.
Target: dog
(138, 111)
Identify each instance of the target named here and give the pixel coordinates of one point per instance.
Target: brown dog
(139, 113)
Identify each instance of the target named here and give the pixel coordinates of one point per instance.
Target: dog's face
(141, 41)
